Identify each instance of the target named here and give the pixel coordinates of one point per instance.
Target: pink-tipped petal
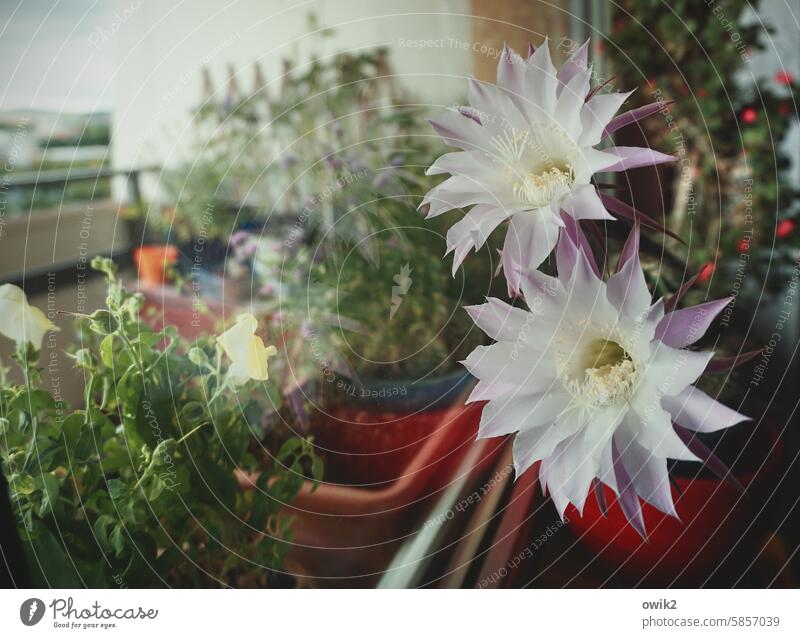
(499, 320)
(648, 474)
(631, 248)
(530, 238)
(566, 255)
(507, 414)
(682, 328)
(627, 289)
(578, 237)
(488, 391)
(596, 115)
(571, 102)
(629, 212)
(600, 497)
(630, 157)
(495, 108)
(511, 73)
(459, 163)
(634, 115)
(584, 203)
(723, 364)
(628, 499)
(472, 231)
(670, 304)
(707, 457)
(541, 73)
(696, 411)
(577, 62)
(460, 130)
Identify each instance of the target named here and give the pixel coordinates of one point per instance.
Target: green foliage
(340, 153)
(419, 331)
(138, 487)
(726, 126)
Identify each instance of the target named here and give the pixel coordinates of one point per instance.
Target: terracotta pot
(346, 535)
(717, 522)
(165, 306)
(371, 431)
(152, 262)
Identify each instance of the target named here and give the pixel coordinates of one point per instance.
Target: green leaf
(289, 448)
(105, 265)
(193, 412)
(103, 322)
(48, 562)
(117, 489)
(71, 430)
(22, 484)
(50, 489)
(84, 359)
(107, 350)
(117, 540)
(101, 526)
(317, 468)
(156, 487)
(198, 357)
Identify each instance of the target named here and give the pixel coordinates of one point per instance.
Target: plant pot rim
(434, 392)
(333, 499)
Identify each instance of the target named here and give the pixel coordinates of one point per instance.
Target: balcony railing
(59, 241)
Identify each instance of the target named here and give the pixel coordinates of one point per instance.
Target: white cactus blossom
(528, 152)
(590, 378)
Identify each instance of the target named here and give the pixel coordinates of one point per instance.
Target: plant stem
(190, 432)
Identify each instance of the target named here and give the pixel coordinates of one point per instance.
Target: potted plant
(721, 510)
(598, 379)
(136, 487)
(154, 263)
(366, 315)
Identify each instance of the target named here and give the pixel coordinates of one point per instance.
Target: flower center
(540, 190)
(539, 163)
(606, 374)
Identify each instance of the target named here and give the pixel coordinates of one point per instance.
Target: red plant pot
(370, 433)
(362, 448)
(152, 262)
(347, 535)
(164, 306)
(717, 520)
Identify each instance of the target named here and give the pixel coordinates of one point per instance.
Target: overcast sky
(49, 61)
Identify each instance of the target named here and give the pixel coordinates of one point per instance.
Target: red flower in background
(749, 115)
(785, 228)
(705, 272)
(784, 77)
